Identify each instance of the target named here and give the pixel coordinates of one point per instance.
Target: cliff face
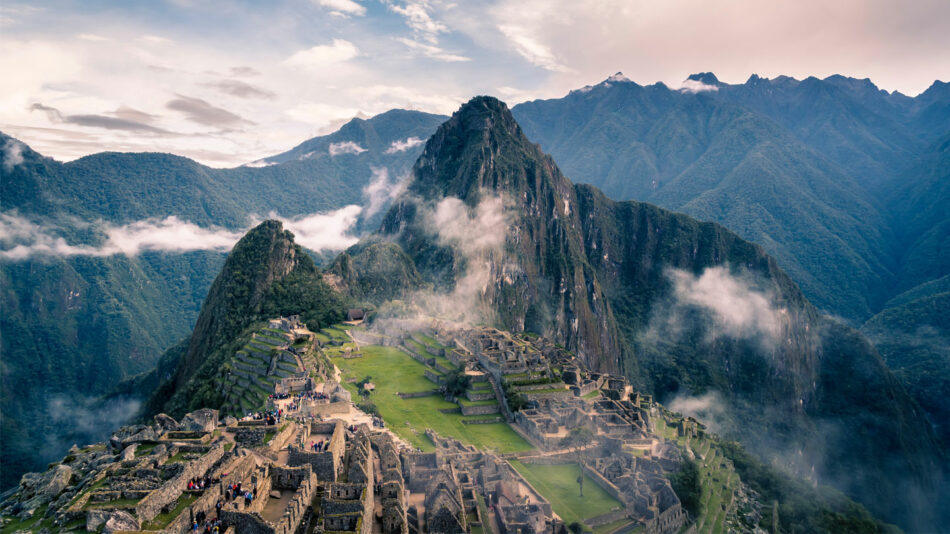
(537, 277)
(680, 306)
(265, 275)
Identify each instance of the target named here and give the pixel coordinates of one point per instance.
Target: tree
(456, 383)
(576, 438)
(576, 528)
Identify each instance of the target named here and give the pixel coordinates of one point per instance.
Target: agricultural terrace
(393, 371)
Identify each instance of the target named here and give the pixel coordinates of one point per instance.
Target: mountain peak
(706, 78)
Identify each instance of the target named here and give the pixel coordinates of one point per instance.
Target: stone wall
(418, 394)
(280, 440)
(487, 409)
(251, 436)
(297, 508)
(152, 505)
(289, 478)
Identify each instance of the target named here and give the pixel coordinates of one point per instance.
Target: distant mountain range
(813, 170)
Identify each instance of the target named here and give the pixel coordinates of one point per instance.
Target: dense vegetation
(801, 507)
(808, 169)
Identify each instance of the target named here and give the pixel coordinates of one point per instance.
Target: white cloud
(531, 48)
(432, 51)
(345, 147)
(418, 18)
(404, 145)
(92, 37)
(324, 231)
(12, 155)
(22, 238)
(320, 56)
(343, 8)
(696, 86)
(739, 310)
(380, 191)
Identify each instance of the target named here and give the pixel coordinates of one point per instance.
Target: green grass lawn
(558, 484)
(393, 371)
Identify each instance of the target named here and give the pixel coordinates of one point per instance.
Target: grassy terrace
(395, 372)
(718, 483)
(162, 520)
(558, 484)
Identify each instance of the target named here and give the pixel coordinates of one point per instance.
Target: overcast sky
(226, 83)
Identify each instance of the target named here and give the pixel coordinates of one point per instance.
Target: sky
(226, 83)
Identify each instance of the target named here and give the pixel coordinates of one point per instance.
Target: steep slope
(913, 335)
(266, 275)
(612, 281)
(536, 277)
(920, 217)
(717, 160)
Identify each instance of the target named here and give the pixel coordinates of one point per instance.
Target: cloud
(92, 37)
(477, 235)
(76, 419)
(131, 114)
(402, 146)
(431, 51)
(324, 231)
(345, 147)
(380, 191)
(696, 86)
(343, 8)
(532, 49)
(710, 409)
(201, 112)
(715, 305)
(416, 14)
(22, 238)
(98, 121)
(240, 89)
(471, 232)
(12, 154)
(739, 311)
(323, 55)
(244, 71)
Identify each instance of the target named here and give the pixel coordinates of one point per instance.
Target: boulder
(203, 420)
(275, 494)
(74, 450)
(120, 520)
(166, 422)
(45, 486)
(95, 519)
(146, 434)
(230, 421)
(128, 453)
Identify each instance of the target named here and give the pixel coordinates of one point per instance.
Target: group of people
(235, 492)
(204, 524)
(200, 483)
(319, 446)
(272, 417)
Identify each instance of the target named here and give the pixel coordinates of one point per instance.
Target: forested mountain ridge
(805, 168)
